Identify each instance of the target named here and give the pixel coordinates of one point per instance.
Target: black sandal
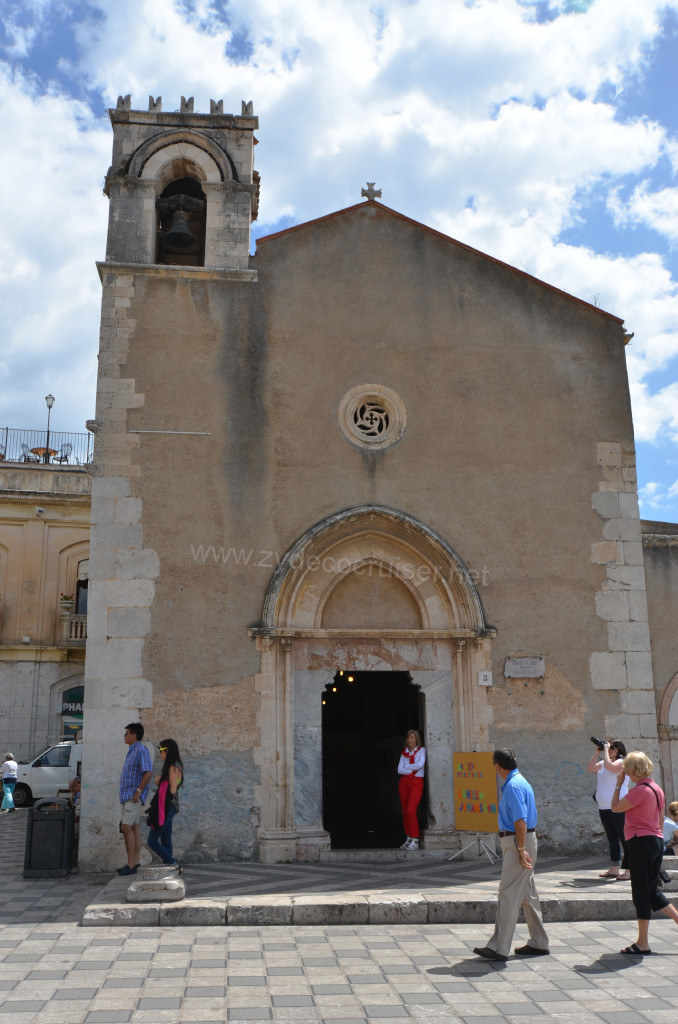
(634, 950)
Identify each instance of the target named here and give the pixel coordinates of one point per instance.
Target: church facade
(366, 480)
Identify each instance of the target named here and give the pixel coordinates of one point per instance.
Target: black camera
(599, 743)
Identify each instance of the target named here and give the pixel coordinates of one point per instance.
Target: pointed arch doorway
(365, 716)
(368, 590)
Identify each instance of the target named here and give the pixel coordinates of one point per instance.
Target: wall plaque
(525, 668)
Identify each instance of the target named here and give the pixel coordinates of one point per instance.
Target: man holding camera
(517, 824)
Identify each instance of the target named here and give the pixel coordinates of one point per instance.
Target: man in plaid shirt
(134, 780)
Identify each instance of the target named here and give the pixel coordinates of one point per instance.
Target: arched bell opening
(365, 717)
(181, 223)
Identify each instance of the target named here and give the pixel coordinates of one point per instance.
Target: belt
(502, 834)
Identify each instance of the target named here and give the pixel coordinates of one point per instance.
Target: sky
(542, 132)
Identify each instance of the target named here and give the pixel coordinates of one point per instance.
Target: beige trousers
(516, 890)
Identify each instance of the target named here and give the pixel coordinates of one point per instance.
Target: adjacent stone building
(367, 479)
(660, 551)
(44, 551)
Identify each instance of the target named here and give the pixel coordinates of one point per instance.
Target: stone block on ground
(259, 910)
(197, 913)
(329, 908)
(156, 890)
(390, 909)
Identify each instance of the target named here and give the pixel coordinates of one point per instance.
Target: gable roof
(446, 238)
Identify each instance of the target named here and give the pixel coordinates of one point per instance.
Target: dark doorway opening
(365, 716)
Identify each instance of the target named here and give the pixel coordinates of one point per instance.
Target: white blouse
(412, 762)
(607, 781)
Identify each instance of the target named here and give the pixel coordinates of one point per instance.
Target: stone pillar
(277, 835)
(227, 233)
(626, 666)
(132, 219)
(122, 587)
(308, 764)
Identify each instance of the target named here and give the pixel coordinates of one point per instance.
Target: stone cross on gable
(371, 192)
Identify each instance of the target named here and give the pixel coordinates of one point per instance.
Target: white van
(47, 773)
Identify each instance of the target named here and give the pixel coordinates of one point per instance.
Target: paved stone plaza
(54, 970)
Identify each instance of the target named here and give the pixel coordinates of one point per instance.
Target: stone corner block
(606, 504)
(609, 453)
(129, 622)
(639, 702)
(639, 670)
(137, 563)
(608, 670)
(605, 551)
(612, 605)
(623, 725)
(110, 487)
(628, 505)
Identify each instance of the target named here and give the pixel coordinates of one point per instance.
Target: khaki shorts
(131, 812)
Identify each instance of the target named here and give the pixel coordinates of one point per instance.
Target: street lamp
(50, 402)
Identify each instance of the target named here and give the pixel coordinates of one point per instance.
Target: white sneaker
(414, 844)
(406, 844)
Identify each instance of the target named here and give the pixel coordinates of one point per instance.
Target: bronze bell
(180, 235)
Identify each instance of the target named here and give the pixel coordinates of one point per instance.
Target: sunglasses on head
(163, 750)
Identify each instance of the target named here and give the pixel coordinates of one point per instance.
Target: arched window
(181, 212)
(81, 586)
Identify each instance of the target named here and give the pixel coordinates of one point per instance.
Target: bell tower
(182, 186)
(177, 287)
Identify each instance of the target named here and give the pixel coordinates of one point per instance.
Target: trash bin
(49, 839)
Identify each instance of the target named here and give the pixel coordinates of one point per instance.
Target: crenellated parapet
(182, 185)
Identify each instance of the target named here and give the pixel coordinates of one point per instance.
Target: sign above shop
(72, 701)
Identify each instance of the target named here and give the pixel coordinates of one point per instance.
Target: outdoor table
(44, 453)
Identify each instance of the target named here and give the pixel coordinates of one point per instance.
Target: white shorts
(131, 812)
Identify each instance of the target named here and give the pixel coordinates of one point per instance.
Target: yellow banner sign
(476, 797)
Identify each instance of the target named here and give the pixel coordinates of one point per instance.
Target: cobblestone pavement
(52, 970)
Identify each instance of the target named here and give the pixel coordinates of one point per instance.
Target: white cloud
(54, 222)
(472, 117)
(654, 413)
(657, 210)
(657, 501)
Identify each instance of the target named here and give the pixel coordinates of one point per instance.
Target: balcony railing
(73, 630)
(32, 446)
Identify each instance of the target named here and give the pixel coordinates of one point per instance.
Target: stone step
(411, 890)
(386, 856)
(343, 909)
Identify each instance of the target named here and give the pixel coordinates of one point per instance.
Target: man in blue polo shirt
(517, 824)
(134, 779)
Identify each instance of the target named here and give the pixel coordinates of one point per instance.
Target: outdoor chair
(27, 455)
(64, 453)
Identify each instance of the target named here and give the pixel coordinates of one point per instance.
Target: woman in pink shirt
(644, 808)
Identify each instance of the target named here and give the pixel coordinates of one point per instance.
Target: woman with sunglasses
(165, 802)
(609, 771)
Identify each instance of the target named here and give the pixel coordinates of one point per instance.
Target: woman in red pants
(411, 786)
